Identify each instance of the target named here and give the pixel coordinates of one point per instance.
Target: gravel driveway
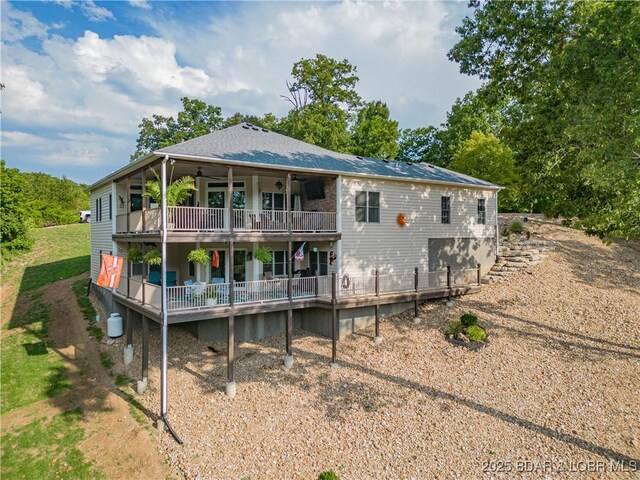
(555, 393)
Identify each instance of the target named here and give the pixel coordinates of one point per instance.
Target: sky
(80, 76)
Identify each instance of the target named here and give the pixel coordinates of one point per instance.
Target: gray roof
(246, 143)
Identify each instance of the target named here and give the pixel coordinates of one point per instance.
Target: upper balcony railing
(202, 219)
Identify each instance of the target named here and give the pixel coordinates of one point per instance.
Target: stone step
(498, 273)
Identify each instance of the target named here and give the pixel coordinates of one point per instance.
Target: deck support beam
(142, 384)
(288, 359)
(377, 339)
(334, 320)
(231, 384)
(416, 313)
(128, 348)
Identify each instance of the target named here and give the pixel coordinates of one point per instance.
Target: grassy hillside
(32, 370)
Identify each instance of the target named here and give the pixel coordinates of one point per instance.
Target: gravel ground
(557, 386)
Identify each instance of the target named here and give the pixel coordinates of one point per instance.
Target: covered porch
(229, 199)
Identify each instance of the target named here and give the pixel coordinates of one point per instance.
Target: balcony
(368, 289)
(217, 220)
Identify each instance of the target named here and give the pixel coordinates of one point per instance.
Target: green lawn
(31, 369)
(46, 449)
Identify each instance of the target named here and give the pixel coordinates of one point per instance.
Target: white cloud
(18, 25)
(140, 4)
(95, 13)
(84, 97)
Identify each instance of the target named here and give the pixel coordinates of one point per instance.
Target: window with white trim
(368, 207)
(279, 264)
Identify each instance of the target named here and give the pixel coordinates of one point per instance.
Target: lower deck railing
(211, 295)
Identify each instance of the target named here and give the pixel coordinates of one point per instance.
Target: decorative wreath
(401, 220)
(346, 281)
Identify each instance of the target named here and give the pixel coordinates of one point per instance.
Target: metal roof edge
(123, 170)
(240, 163)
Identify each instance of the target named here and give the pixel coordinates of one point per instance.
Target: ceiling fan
(201, 174)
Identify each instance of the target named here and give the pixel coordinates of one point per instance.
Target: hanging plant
(134, 255)
(263, 254)
(198, 255)
(153, 257)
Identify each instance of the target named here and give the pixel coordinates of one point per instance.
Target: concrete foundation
(288, 362)
(231, 389)
(141, 387)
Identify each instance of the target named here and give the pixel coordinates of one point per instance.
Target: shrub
(468, 320)
(454, 328)
(506, 233)
(516, 227)
(475, 333)
(329, 475)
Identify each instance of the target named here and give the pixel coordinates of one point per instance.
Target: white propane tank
(114, 325)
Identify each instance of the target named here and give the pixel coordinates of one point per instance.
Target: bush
(475, 333)
(329, 475)
(516, 227)
(468, 320)
(506, 233)
(454, 328)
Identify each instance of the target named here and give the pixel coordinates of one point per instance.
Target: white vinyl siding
(101, 230)
(394, 250)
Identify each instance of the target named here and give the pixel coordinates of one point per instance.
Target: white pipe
(163, 289)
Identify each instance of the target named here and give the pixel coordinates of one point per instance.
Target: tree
(324, 100)
(570, 76)
(196, 118)
(268, 120)
(374, 134)
(14, 228)
(324, 80)
(421, 144)
(484, 156)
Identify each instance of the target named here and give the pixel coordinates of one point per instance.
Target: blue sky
(80, 76)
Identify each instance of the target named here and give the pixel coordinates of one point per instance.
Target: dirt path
(116, 443)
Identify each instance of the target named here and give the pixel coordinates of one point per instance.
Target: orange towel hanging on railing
(215, 259)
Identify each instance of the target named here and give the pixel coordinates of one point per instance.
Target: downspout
(497, 230)
(163, 290)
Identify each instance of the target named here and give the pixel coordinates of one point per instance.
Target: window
(280, 264)
(135, 198)
(99, 209)
(368, 207)
(110, 206)
(482, 212)
(273, 201)
(136, 268)
(319, 263)
(445, 210)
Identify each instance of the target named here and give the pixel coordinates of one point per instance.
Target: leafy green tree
(268, 120)
(484, 156)
(54, 201)
(324, 100)
(14, 227)
(421, 144)
(569, 75)
(196, 118)
(374, 134)
(324, 80)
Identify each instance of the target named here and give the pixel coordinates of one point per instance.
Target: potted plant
(263, 254)
(153, 257)
(177, 192)
(134, 255)
(198, 255)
